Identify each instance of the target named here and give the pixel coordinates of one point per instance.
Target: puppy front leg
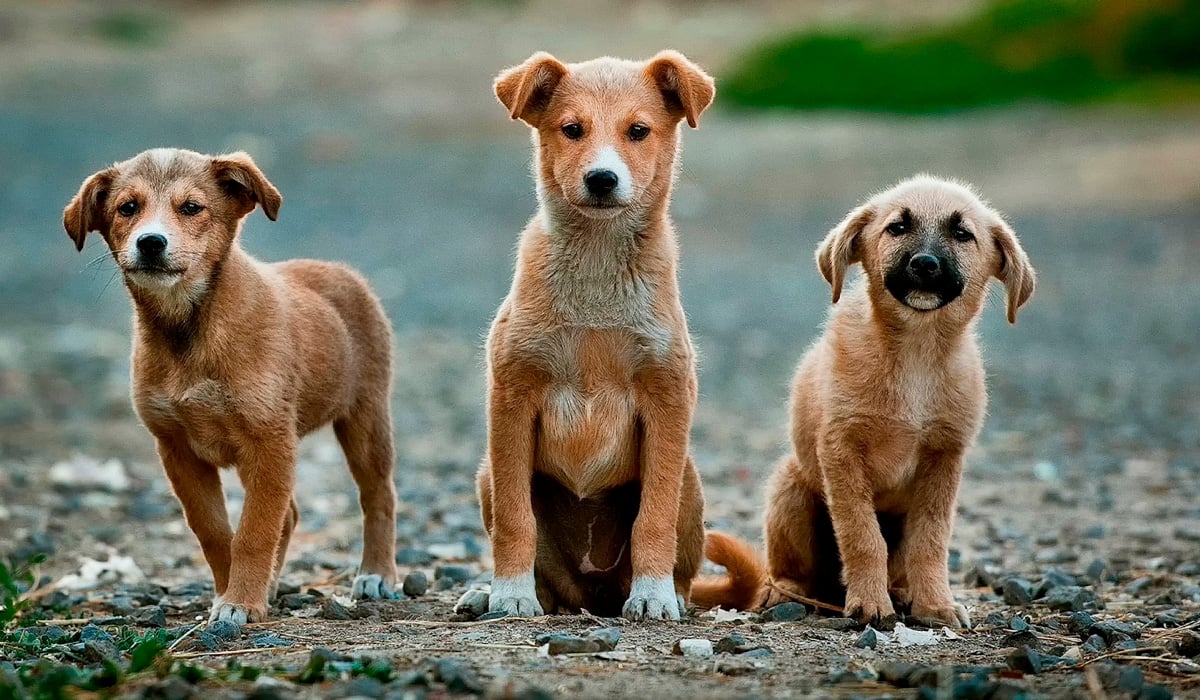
(926, 541)
(851, 501)
(666, 421)
(197, 485)
(511, 419)
(268, 473)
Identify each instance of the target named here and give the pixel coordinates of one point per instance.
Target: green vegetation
(15, 580)
(1055, 50)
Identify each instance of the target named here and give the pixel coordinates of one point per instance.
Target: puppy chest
(205, 413)
(588, 435)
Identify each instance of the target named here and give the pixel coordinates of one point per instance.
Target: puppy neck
(932, 335)
(177, 316)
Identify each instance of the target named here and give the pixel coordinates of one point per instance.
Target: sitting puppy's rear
(235, 360)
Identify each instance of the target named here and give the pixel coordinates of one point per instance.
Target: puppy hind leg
(289, 526)
(791, 537)
(366, 438)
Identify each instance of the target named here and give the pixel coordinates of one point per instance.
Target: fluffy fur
(235, 360)
(884, 406)
(588, 482)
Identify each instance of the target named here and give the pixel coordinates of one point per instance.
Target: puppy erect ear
(85, 212)
(1014, 269)
(840, 250)
(525, 90)
(241, 178)
(687, 89)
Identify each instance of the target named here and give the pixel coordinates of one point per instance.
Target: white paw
(371, 586)
(474, 602)
(515, 597)
(221, 610)
(653, 599)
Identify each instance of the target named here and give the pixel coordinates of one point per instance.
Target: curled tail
(745, 577)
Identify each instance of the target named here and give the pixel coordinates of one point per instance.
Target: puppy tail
(745, 578)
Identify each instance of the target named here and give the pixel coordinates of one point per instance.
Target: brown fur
(588, 482)
(237, 360)
(884, 406)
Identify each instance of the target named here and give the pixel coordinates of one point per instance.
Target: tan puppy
(235, 360)
(588, 491)
(884, 406)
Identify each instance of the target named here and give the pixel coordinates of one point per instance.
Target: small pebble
(1018, 624)
(1017, 591)
(840, 624)
(457, 677)
(869, 639)
(453, 572)
(1024, 638)
(785, 612)
(1070, 598)
(333, 610)
(694, 648)
(224, 629)
(1030, 660)
(416, 584)
(149, 616)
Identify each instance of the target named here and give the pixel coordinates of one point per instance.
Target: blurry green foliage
(1059, 50)
(132, 27)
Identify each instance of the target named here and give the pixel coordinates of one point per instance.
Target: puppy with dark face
(235, 360)
(884, 407)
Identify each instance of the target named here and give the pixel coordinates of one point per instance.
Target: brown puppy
(884, 406)
(588, 491)
(235, 360)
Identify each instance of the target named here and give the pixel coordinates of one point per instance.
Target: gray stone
(149, 616)
(785, 612)
(416, 584)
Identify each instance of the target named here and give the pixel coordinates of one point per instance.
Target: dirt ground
(377, 123)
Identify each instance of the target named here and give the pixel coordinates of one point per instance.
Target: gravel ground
(1082, 493)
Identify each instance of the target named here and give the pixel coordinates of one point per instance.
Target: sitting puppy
(588, 490)
(235, 360)
(884, 407)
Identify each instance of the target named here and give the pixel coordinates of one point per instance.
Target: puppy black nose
(151, 243)
(925, 266)
(600, 182)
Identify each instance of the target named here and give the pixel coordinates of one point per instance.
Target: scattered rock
(454, 573)
(1070, 599)
(1017, 591)
(296, 601)
(729, 644)
(1030, 660)
(1024, 638)
(264, 640)
(785, 612)
(1018, 624)
(333, 610)
(149, 616)
(224, 629)
(416, 583)
(170, 688)
(457, 677)
(693, 648)
(840, 624)
(1080, 622)
(1094, 644)
(1115, 631)
(869, 639)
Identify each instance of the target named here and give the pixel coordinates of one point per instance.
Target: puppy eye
(962, 235)
(897, 228)
(637, 132)
(190, 208)
(128, 208)
(573, 131)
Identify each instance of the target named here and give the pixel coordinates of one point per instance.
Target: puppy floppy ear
(241, 179)
(1013, 269)
(85, 212)
(525, 90)
(686, 89)
(840, 249)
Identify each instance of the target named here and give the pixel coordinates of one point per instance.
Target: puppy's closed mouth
(154, 276)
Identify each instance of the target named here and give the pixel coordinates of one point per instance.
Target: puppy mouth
(154, 275)
(600, 210)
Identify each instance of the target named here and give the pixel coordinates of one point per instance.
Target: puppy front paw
(653, 599)
(515, 596)
(875, 609)
(372, 587)
(948, 613)
(238, 614)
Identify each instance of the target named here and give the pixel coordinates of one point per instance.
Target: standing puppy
(588, 491)
(884, 406)
(235, 360)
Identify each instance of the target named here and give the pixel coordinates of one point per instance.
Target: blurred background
(1078, 118)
